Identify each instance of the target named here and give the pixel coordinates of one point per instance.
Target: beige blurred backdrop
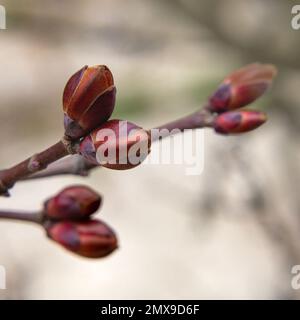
(231, 232)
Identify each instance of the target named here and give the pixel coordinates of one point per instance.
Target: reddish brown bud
(242, 87)
(75, 203)
(92, 239)
(88, 100)
(239, 121)
(117, 145)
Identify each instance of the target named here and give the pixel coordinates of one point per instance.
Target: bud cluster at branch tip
(67, 221)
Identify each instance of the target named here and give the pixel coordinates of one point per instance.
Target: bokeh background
(233, 231)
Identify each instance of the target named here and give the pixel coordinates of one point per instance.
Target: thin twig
(199, 119)
(35, 163)
(70, 165)
(35, 217)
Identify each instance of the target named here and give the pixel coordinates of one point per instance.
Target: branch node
(4, 190)
(70, 145)
(34, 164)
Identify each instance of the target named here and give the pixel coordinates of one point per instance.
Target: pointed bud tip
(252, 71)
(242, 87)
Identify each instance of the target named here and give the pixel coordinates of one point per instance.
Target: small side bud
(234, 122)
(88, 100)
(75, 203)
(242, 87)
(91, 239)
(117, 145)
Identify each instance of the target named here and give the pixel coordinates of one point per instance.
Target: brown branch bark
(196, 120)
(70, 165)
(33, 164)
(35, 217)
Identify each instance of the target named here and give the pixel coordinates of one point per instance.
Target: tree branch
(77, 165)
(33, 164)
(70, 165)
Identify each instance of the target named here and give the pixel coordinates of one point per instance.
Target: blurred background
(233, 231)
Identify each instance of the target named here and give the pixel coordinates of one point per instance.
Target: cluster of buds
(89, 100)
(237, 90)
(88, 103)
(67, 220)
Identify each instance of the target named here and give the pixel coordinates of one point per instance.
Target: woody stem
(35, 217)
(196, 120)
(35, 163)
